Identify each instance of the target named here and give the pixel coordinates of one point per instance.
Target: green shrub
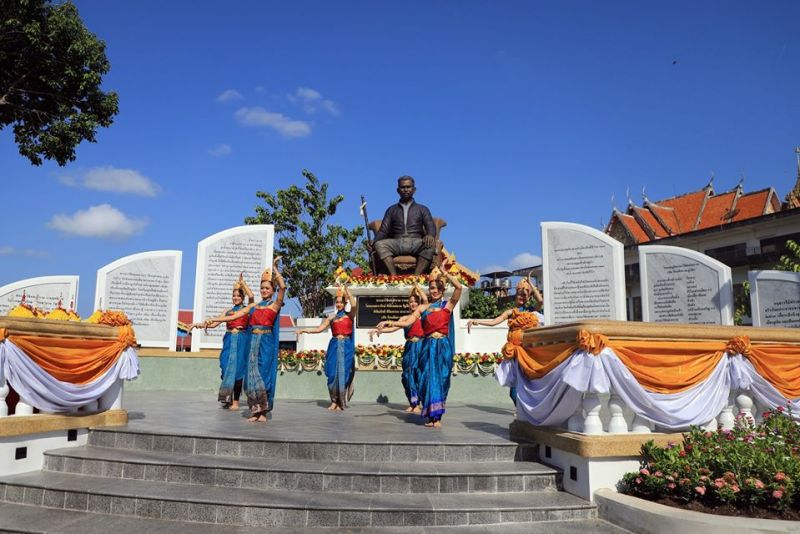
(750, 466)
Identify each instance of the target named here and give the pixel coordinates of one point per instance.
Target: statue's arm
(427, 221)
(386, 225)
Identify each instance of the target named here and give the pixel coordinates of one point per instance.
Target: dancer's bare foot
(429, 424)
(234, 406)
(417, 409)
(257, 418)
(437, 424)
(332, 407)
(410, 409)
(338, 409)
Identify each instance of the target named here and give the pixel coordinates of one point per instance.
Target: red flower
(777, 494)
(780, 476)
(645, 472)
(700, 489)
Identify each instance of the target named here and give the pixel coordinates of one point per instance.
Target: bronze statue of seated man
(407, 229)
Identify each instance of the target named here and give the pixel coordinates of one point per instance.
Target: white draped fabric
(41, 390)
(553, 398)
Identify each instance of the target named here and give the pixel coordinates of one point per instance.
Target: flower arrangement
(310, 360)
(379, 356)
(482, 363)
(751, 469)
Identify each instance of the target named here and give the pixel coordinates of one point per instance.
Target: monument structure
(584, 275)
(43, 292)
(684, 286)
(408, 234)
(775, 298)
(146, 286)
(220, 259)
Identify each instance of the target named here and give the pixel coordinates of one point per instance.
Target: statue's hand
(429, 240)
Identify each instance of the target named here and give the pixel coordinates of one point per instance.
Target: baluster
(711, 426)
(726, 418)
(575, 421)
(23, 407)
(592, 423)
(640, 425)
(745, 404)
(112, 398)
(4, 389)
(617, 423)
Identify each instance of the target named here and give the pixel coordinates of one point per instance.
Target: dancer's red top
(342, 327)
(262, 317)
(437, 321)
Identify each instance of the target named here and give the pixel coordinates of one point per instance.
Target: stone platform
(184, 465)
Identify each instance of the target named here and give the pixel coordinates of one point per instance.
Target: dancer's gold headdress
(435, 274)
(417, 292)
(266, 276)
(339, 292)
(525, 284)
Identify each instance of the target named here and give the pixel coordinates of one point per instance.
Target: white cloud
(313, 101)
(282, 124)
(110, 178)
(526, 259)
(98, 221)
(28, 252)
(220, 150)
(520, 261)
(229, 95)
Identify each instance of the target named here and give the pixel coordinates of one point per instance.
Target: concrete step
(30, 520)
(305, 475)
(258, 507)
(321, 449)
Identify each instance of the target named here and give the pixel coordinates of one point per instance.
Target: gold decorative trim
(567, 333)
(45, 327)
(24, 425)
(588, 445)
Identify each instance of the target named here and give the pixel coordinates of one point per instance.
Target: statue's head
(406, 188)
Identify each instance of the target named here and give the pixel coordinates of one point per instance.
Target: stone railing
(599, 405)
(106, 397)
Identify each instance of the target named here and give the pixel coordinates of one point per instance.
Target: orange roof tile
(687, 207)
(652, 223)
(633, 227)
(751, 205)
(717, 210)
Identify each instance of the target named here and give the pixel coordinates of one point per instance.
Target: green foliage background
(309, 243)
(51, 68)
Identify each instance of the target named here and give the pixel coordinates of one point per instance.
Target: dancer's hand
(299, 333)
(374, 333)
(470, 324)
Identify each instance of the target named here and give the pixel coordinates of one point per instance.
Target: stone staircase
(126, 480)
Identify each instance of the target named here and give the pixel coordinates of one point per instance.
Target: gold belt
(415, 339)
(261, 330)
(436, 335)
(341, 337)
(235, 330)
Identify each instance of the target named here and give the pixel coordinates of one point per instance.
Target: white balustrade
(745, 404)
(575, 422)
(617, 423)
(112, 398)
(592, 405)
(4, 389)
(23, 408)
(640, 425)
(726, 418)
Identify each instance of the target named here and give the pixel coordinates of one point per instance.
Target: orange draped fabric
(667, 366)
(780, 366)
(74, 360)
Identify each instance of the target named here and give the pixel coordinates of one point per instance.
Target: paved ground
(198, 414)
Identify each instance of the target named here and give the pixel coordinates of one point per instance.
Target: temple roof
(689, 212)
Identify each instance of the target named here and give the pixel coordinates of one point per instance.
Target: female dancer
(436, 356)
(410, 362)
(520, 318)
(340, 361)
(233, 357)
(263, 326)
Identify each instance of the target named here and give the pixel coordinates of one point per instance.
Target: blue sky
(507, 113)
